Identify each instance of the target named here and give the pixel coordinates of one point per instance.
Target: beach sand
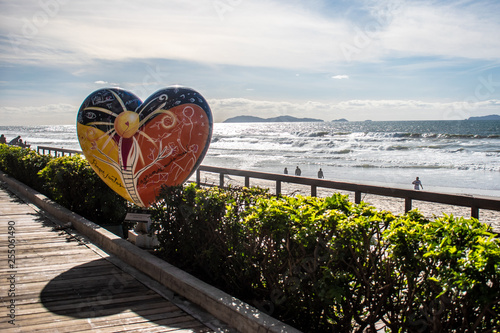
(395, 205)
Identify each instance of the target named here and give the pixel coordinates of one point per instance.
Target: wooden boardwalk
(55, 281)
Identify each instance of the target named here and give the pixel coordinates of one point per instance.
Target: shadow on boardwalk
(58, 281)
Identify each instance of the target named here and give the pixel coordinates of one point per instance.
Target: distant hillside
(280, 119)
(490, 117)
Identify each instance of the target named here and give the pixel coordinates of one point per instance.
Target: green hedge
(70, 181)
(327, 265)
(319, 264)
(23, 164)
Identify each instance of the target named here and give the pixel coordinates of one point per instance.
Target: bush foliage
(70, 181)
(23, 164)
(327, 265)
(319, 264)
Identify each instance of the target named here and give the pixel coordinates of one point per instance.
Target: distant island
(341, 120)
(280, 119)
(490, 117)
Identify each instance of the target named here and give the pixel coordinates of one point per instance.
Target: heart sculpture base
(136, 148)
(143, 240)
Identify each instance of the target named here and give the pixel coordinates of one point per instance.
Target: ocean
(447, 156)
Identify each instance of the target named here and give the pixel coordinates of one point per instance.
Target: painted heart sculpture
(136, 147)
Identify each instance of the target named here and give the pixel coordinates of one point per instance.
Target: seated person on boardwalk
(23, 145)
(15, 141)
(18, 142)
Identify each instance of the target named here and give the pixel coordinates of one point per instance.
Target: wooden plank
(49, 274)
(64, 286)
(41, 267)
(112, 323)
(37, 307)
(43, 261)
(146, 311)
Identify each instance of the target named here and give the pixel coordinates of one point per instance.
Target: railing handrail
(475, 202)
(57, 150)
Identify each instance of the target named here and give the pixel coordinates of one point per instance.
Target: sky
(353, 59)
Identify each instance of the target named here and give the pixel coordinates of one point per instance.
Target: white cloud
(449, 30)
(340, 77)
(258, 33)
(52, 114)
(355, 110)
(298, 36)
(250, 33)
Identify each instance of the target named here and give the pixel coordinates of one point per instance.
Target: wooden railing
(56, 151)
(474, 202)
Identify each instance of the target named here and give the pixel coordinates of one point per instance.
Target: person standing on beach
(320, 174)
(285, 171)
(3, 139)
(417, 184)
(298, 172)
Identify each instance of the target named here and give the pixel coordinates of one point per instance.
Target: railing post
(278, 187)
(247, 181)
(474, 212)
(357, 197)
(407, 204)
(314, 191)
(221, 180)
(198, 177)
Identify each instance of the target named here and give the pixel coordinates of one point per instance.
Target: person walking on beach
(417, 184)
(285, 171)
(298, 172)
(320, 174)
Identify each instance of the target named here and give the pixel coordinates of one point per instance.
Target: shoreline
(448, 157)
(430, 210)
